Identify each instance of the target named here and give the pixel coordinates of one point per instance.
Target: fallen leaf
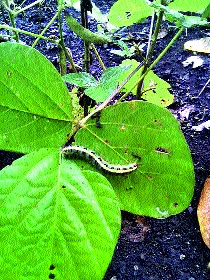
(195, 60)
(203, 213)
(201, 126)
(200, 45)
(185, 112)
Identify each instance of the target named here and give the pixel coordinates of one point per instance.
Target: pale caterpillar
(104, 165)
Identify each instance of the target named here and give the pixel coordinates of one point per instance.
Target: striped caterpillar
(104, 165)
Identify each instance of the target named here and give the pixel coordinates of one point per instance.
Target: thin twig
(202, 89)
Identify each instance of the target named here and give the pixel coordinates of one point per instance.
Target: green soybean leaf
(108, 82)
(188, 5)
(57, 221)
(125, 51)
(81, 79)
(146, 134)
(155, 89)
(84, 33)
(97, 90)
(206, 12)
(35, 106)
(180, 19)
(126, 13)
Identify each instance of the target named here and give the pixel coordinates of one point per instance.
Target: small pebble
(182, 257)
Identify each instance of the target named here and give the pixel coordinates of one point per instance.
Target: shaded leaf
(125, 50)
(149, 135)
(55, 219)
(203, 213)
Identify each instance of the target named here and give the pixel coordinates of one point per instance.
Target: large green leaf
(35, 105)
(149, 135)
(56, 220)
(125, 13)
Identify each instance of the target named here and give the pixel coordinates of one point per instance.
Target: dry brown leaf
(200, 45)
(203, 213)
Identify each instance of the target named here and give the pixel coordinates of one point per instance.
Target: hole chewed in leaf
(52, 267)
(176, 205)
(161, 150)
(128, 14)
(51, 276)
(137, 156)
(157, 122)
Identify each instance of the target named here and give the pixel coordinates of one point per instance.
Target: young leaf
(84, 33)
(155, 89)
(126, 13)
(108, 82)
(81, 79)
(203, 213)
(149, 135)
(56, 220)
(34, 101)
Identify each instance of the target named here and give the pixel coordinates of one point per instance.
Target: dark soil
(149, 248)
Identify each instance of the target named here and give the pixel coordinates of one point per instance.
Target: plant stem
(12, 19)
(150, 53)
(64, 50)
(7, 27)
(84, 7)
(98, 56)
(159, 57)
(27, 7)
(62, 54)
(45, 29)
